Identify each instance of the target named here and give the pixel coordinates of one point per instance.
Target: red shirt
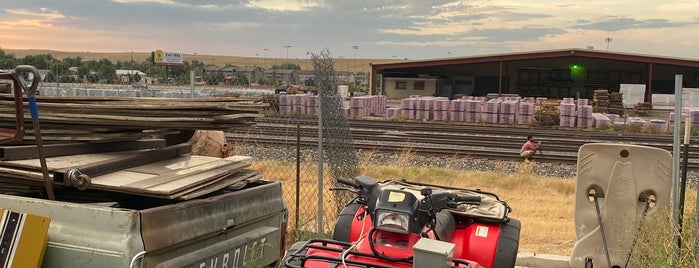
(529, 145)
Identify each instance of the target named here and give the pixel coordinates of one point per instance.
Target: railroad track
(456, 140)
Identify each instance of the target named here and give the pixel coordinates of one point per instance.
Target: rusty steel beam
(21, 152)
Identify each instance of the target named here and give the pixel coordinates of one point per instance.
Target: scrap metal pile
(120, 118)
(106, 147)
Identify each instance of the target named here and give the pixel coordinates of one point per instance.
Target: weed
(633, 128)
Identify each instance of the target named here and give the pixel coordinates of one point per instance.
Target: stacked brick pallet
(600, 120)
(508, 111)
(584, 114)
(364, 106)
(298, 104)
(473, 109)
(440, 109)
(423, 109)
(691, 112)
(457, 110)
(492, 111)
(567, 112)
(525, 113)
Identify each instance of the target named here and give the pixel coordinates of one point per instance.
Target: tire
(291, 249)
(508, 245)
(344, 222)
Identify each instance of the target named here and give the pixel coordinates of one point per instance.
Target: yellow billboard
(167, 58)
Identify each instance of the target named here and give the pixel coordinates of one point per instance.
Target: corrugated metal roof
(572, 52)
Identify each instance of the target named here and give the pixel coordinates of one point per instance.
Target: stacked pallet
(600, 100)
(600, 120)
(525, 113)
(423, 109)
(408, 107)
(364, 106)
(659, 124)
(567, 112)
(118, 118)
(584, 116)
(492, 111)
(440, 109)
(456, 110)
(393, 113)
(616, 103)
(508, 111)
(473, 110)
(642, 109)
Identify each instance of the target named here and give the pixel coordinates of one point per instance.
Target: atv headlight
(392, 221)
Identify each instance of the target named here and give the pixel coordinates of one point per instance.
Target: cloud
(619, 24)
(406, 28)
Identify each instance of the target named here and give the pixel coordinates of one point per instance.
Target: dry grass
(543, 205)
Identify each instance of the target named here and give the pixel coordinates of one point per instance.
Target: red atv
(383, 224)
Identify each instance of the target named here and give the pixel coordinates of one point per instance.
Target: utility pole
(608, 40)
(287, 52)
(265, 63)
(354, 69)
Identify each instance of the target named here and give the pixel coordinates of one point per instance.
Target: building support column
(372, 82)
(500, 81)
(649, 88)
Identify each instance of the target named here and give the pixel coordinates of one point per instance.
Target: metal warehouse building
(553, 74)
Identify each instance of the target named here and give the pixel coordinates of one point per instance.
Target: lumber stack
(616, 102)
(600, 100)
(121, 118)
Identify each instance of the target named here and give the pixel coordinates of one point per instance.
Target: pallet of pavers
(22, 239)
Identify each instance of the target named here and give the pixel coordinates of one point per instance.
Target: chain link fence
(293, 155)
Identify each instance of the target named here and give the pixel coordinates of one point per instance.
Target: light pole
(265, 62)
(287, 52)
(354, 69)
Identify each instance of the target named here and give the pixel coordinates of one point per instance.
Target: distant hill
(341, 64)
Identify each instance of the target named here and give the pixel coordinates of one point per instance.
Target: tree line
(77, 70)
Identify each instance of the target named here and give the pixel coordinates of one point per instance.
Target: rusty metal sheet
(170, 178)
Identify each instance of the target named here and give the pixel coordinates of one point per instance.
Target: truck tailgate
(226, 230)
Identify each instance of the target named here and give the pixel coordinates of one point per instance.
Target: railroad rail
(447, 139)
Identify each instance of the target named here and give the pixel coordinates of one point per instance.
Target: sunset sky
(413, 29)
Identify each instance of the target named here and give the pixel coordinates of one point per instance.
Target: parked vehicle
(383, 224)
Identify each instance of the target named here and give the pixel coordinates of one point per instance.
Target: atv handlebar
(346, 182)
(471, 200)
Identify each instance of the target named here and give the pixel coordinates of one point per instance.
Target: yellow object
(22, 239)
(396, 197)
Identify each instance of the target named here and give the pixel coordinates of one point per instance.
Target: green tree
(213, 78)
(7, 61)
(241, 79)
(287, 66)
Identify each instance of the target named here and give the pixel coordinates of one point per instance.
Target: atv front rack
(299, 259)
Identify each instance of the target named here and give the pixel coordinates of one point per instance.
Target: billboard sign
(167, 58)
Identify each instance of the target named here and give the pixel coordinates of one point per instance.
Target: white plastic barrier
(624, 174)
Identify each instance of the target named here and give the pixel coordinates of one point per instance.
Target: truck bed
(223, 229)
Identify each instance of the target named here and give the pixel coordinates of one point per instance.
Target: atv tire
(508, 245)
